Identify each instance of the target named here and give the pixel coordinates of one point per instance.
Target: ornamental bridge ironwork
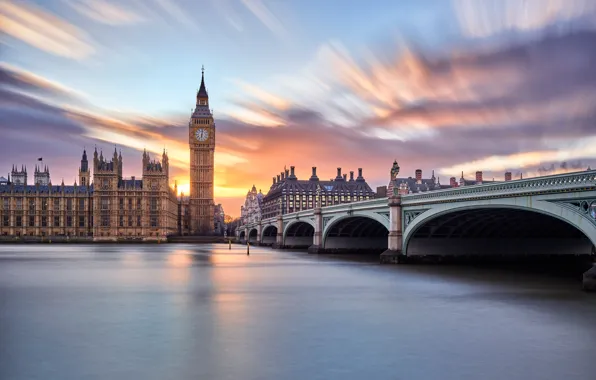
(550, 215)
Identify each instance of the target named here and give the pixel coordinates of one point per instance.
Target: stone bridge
(551, 215)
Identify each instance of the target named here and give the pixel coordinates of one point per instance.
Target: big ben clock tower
(201, 139)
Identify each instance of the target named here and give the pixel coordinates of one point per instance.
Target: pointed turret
(84, 173)
(84, 162)
(202, 93)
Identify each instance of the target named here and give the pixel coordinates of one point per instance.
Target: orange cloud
(574, 151)
(44, 30)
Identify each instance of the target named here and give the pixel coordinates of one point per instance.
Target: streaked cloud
(577, 150)
(23, 79)
(522, 105)
(102, 11)
(262, 95)
(172, 8)
(489, 17)
(263, 12)
(43, 30)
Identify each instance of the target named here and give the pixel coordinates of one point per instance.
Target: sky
(450, 86)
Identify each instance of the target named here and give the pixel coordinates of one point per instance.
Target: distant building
(288, 194)
(479, 180)
(219, 220)
(183, 215)
(251, 210)
(412, 185)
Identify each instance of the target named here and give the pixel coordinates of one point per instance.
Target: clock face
(201, 134)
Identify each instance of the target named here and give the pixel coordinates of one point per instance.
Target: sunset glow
(493, 91)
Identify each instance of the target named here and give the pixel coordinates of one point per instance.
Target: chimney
(278, 178)
(507, 176)
(283, 175)
(314, 177)
(292, 176)
(345, 177)
(478, 177)
(351, 176)
(452, 182)
(360, 178)
(338, 178)
(418, 175)
(287, 173)
(274, 180)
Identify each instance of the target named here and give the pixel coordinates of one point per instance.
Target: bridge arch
(242, 236)
(358, 232)
(269, 234)
(299, 233)
(253, 236)
(499, 228)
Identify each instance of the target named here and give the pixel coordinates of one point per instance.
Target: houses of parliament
(103, 205)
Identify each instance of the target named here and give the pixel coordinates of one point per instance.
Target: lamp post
(318, 201)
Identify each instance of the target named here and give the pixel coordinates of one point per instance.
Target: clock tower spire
(201, 140)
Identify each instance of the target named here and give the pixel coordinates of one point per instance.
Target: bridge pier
(394, 253)
(259, 232)
(279, 239)
(317, 246)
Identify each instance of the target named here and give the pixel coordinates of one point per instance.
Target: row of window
(32, 203)
(21, 221)
(284, 205)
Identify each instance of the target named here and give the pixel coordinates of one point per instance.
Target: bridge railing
(553, 183)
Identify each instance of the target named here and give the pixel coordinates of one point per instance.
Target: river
(206, 312)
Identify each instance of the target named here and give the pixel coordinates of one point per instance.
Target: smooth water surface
(206, 312)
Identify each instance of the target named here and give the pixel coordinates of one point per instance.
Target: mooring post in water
(247, 248)
(230, 241)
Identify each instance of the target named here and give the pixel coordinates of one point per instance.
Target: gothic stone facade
(131, 208)
(250, 212)
(201, 141)
(107, 208)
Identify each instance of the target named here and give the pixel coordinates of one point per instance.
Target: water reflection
(188, 312)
